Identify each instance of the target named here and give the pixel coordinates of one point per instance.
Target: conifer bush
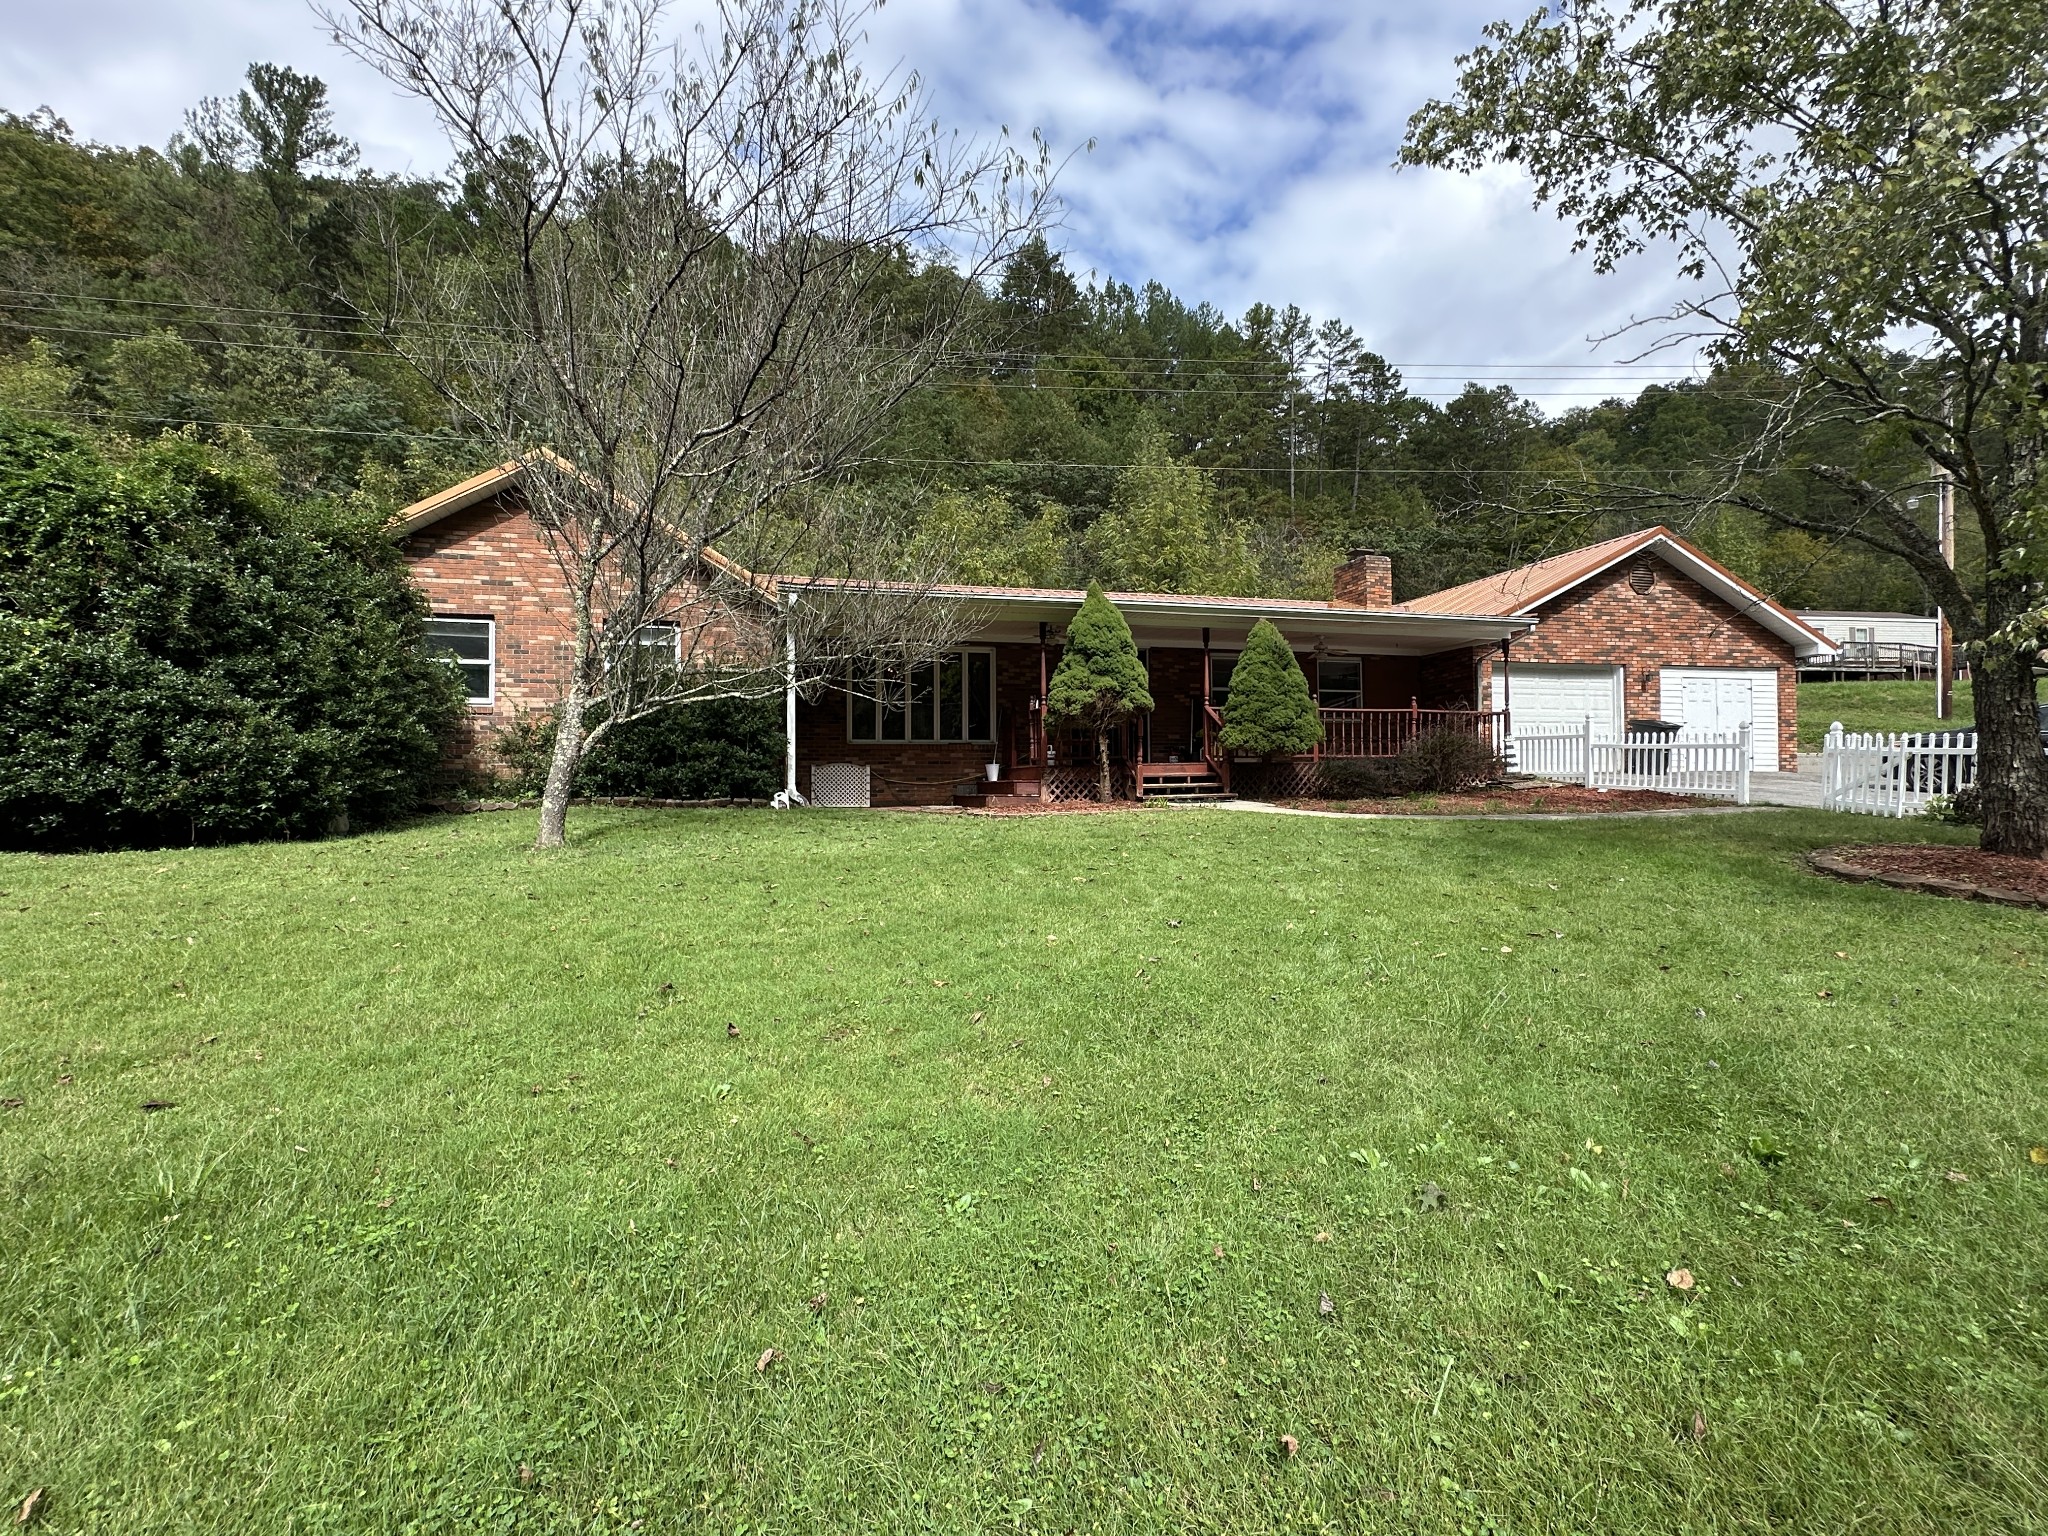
(1270, 710)
(1100, 682)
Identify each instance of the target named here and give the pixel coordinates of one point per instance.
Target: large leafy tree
(1857, 187)
(1100, 682)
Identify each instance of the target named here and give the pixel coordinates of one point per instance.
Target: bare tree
(704, 275)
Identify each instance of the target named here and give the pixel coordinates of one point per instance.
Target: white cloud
(1243, 147)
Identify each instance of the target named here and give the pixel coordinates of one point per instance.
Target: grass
(1879, 706)
(1037, 1147)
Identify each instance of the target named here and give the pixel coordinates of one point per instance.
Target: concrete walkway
(1704, 808)
(1801, 789)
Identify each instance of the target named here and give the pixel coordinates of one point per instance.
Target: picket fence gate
(1894, 773)
(1687, 764)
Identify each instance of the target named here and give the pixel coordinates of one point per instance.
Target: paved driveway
(1800, 789)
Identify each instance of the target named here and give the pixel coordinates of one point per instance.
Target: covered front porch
(1370, 706)
(1381, 678)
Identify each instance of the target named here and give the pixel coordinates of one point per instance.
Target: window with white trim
(471, 647)
(660, 643)
(951, 698)
(1340, 682)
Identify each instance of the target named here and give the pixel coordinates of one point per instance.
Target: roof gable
(1521, 591)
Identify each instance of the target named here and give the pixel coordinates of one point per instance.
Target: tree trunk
(1102, 754)
(2012, 772)
(554, 800)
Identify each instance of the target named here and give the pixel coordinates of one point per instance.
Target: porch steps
(1179, 781)
(1002, 791)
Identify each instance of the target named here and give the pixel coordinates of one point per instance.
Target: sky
(1242, 152)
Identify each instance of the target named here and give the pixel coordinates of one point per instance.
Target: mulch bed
(1017, 805)
(1940, 869)
(1521, 799)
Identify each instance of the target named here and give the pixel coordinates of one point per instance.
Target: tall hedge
(185, 659)
(1269, 709)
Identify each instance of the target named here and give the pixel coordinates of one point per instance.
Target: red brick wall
(489, 562)
(1677, 623)
(920, 773)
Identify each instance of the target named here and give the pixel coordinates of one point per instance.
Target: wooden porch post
(1038, 707)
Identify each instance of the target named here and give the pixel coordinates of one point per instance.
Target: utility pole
(1944, 642)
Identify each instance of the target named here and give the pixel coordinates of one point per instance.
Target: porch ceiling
(1176, 621)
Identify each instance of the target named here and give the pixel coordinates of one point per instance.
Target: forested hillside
(228, 286)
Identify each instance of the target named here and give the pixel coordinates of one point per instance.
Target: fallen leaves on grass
(768, 1358)
(2038, 1156)
(732, 1031)
(12, 1103)
(1678, 1279)
(1324, 1306)
(27, 1511)
(525, 1475)
(1699, 1426)
(151, 1106)
(1430, 1198)
(817, 1302)
(1322, 1237)
(1956, 1176)
(1290, 1447)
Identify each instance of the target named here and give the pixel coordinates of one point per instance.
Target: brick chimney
(1366, 580)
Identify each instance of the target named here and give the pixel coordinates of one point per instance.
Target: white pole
(1587, 759)
(1742, 771)
(789, 713)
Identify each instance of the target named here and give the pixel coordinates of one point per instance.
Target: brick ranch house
(1643, 627)
(1382, 672)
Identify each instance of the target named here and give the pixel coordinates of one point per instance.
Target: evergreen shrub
(1269, 709)
(184, 658)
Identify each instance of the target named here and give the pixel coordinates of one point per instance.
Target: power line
(1178, 361)
(1193, 387)
(404, 435)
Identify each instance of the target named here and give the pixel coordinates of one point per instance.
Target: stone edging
(629, 802)
(1825, 861)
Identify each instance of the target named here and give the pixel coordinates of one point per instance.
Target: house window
(951, 698)
(660, 644)
(1220, 668)
(1340, 682)
(471, 647)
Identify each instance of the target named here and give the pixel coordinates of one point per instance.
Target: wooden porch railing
(1214, 753)
(1384, 732)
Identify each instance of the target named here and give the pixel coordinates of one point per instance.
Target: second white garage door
(1722, 699)
(1543, 697)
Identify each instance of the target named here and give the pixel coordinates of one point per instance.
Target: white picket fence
(1893, 774)
(1691, 763)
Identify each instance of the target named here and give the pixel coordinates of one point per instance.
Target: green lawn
(1874, 707)
(1037, 1147)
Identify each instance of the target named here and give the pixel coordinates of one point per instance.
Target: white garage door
(1541, 697)
(1722, 699)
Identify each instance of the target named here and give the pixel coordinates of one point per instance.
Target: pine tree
(1269, 710)
(1099, 682)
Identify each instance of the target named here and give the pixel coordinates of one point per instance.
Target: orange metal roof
(1522, 591)
(1526, 586)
